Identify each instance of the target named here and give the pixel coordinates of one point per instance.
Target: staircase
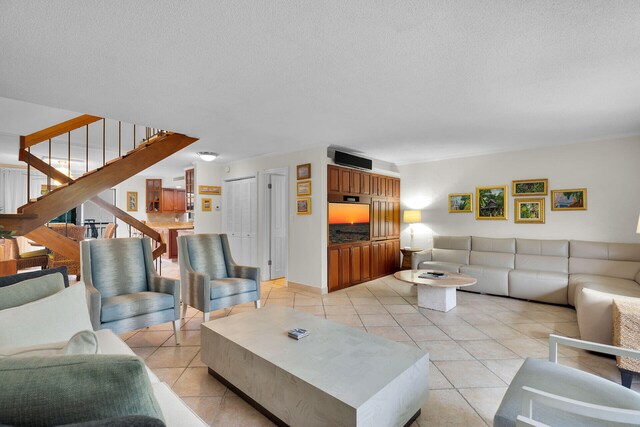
(31, 217)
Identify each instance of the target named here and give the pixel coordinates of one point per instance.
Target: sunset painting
(348, 222)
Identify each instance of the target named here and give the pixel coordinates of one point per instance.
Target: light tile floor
(475, 349)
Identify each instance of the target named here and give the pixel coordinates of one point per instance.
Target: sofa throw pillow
(84, 342)
(48, 320)
(59, 390)
(15, 278)
(30, 290)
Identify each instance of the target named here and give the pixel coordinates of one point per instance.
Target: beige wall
(608, 169)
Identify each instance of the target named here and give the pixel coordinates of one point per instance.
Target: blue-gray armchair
(211, 280)
(125, 291)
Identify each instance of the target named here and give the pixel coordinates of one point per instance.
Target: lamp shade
(411, 217)
(638, 229)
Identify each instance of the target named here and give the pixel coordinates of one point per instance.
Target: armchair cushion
(32, 254)
(207, 256)
(16, 278)
(563, 381)
(231, 286)
(131, 305)
(109, 274)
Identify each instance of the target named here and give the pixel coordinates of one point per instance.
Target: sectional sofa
(585, 275)
(105, 379)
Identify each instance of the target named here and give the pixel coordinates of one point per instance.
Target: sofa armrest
(638, 278)
(555, 340)
(418, 257)
(165, 285)
(94, 302)
(198, 289)
(244, 272)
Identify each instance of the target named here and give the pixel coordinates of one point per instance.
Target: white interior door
(278, 227)
(240, 219)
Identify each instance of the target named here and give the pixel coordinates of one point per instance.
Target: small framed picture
(460, 203)
(569, 200)
(529, 211)
(303, 206)
(530, 187)
(132, 201)
(212, 190)
(303, 171)
(304, 188)
(206, 205)
(492, 202)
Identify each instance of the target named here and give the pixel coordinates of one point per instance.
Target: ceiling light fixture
(207, 156)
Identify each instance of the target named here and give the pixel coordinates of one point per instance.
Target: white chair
(548, 394)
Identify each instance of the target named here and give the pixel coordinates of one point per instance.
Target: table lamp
(412, 217)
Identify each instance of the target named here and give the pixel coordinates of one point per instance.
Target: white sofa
(586, 275)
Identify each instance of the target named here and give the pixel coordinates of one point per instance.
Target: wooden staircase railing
(29, 221)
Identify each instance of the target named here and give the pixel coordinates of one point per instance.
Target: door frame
(266, 219)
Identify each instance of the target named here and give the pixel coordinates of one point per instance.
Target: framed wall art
(132, 201)
(212, 190)
(529, 211)
(303, 171)
(492, 202)
(303, 206)
(460, 203)
(303, 188)
(206, 204)
(569, 200)
(530, 187)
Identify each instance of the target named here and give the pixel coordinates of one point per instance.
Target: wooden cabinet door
(384, 220)
(356, 182)
(345, 267)
(154, 195)
(333, 260)
(334, 180)
(396, 188)
(173, 244)
(390, 187)
(168, 196)
(355, 264)
(390, 257)
(374, 180)
(366, 262)
(396, 251)
(378, 219)
(393, 214)
(365, 186)
(377, 261)
(382, 186)
(345, 181)
(180, 201)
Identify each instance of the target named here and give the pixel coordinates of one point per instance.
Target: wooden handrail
(56, 130)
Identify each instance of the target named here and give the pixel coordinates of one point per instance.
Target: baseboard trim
(306, 288)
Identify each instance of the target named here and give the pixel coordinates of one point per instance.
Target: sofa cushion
(231, 286)
(206, 255)
(542, 263)
(538, 285)
(52, 319)
(131, 305)
(563, 381)
(15, 278)
(30, 290)
(439, 265)
(111, 274)
(492, 259)
(128, 420)
(60, 390)
(603, 250)
(543, 247)
(600, 283)
(491, 280)
(603, 267)
(452, 242)
(450, 255)
(84, 342)
(487, 244)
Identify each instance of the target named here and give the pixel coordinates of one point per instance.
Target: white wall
(207, 173)
(307, 263)
(609, 170)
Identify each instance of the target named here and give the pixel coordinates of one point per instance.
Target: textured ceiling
(402, 81)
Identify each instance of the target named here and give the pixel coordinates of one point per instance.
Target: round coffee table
(436, 294)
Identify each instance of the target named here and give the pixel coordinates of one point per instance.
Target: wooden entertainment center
(360, 261)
